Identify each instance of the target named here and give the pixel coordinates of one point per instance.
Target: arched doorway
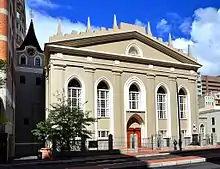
(134, 131)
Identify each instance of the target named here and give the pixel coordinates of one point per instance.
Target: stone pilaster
(173, 106)
(151, 105)
(119, 117)
(193, 109)
(89, 95)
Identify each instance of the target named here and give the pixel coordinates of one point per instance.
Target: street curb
(151, 155)
(178, 162)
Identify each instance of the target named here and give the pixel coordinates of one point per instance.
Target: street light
(179, 122)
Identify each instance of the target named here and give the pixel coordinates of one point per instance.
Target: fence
(155, 142)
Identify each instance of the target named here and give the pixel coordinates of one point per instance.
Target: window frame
(78, 97)
(37, 57)
(162, 113)
(24, 78)
(106, 100)
(20, 60)
(183, 106)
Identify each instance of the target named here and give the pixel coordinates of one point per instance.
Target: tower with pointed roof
(29, 92)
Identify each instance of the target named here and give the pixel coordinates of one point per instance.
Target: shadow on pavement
(87, 160)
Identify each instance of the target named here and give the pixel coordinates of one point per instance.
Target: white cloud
(185, 26)
(42, 3)
(163, 26)
(46, 26)
(205, 36)
(139, 23)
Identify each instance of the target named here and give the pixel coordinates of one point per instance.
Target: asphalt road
(205, 165)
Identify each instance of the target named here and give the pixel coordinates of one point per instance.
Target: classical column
(90, 96)
(117, 122)
(173, 106)
(151, 105)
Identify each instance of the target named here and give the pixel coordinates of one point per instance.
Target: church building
(127, 79)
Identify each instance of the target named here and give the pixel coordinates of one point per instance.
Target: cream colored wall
(119, 48)
(59, 75)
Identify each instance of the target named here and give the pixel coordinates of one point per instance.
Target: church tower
(30, 106)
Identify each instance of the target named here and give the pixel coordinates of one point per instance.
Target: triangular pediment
(118, 42)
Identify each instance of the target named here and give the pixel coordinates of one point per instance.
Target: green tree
(3, 68)
(64, 124)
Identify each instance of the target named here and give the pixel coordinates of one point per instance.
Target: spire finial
(88, 25)
(149, 29)
(170, 40)
(59, 28)
(115, 26)
(31, 14)
(189, 50)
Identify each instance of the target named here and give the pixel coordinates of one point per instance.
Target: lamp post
(179, 122)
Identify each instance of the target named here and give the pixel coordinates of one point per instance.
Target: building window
(22, 79)
(202, 130)
(134, 97)
(163, 133)
(26, 121)
(102, 100)
(74, 93)
(103, 134)
(183, 132)
(38, 81)
(23, 60)
(213, 130)
(37, 61)
(213, 120)
(161, 103)
(183, 103)
(133, 51)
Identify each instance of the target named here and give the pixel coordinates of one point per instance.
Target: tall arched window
(134, 97)
(23, 60)
(183, 103)
(161, 103)
(74, 93)
(37, 61)
(102, 99)
(202, 130)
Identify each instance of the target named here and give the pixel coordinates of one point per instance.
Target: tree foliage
(64, 124)
(3, 66)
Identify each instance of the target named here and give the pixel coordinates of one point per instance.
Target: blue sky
(195, 22)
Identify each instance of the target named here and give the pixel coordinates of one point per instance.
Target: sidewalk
(152, 158)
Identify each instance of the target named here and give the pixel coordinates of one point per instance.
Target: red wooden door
(132, 131)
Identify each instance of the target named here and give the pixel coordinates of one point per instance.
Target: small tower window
(37, 61)
(23, 60)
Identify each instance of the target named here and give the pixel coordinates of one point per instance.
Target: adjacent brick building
(210, 84)
(10, 38)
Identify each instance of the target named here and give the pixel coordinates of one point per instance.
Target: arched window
(183, 103)
(161, 103)
(102, 99)
(23, 60)
(133, 51)
(134, 97)
(202, 130)
(37, 61)
(74, 93)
